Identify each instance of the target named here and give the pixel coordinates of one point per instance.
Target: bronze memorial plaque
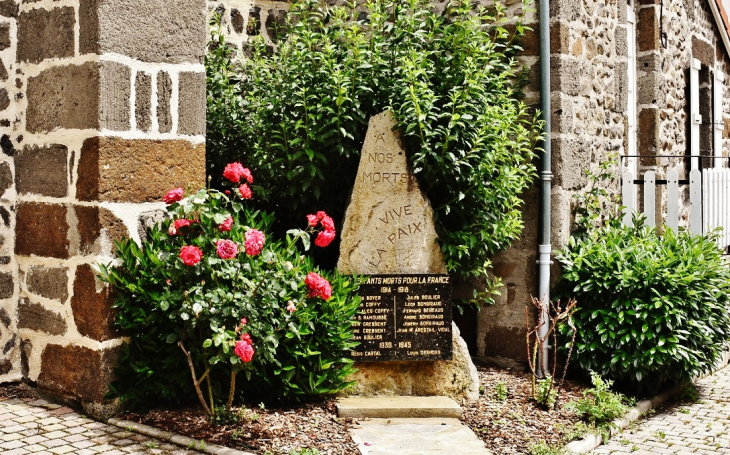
(404, 317)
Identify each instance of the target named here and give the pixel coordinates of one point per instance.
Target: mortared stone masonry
(102, 110)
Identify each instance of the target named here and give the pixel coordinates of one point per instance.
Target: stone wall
(241, 19)
(105, 112)
(589, 86)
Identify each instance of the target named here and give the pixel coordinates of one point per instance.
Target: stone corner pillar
(113, 116)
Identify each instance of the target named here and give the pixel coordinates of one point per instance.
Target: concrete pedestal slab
(416, 437)
(398, 407)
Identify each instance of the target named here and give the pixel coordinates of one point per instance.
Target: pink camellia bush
(190, 255)
(327, 234)
(254, 242)
(245, 191)
(226, 249)
(197, 308)
(173, 196)
(174, 228)
(234, 172)
(226, 225)
(244, 351)
(318, 286)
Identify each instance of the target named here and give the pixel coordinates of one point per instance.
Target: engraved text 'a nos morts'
(389, 235)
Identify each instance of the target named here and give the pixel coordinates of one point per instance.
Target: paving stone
(76, 438)
(123, 442)
(35, 439)
(11, 444)
(55, 434)
(82, 444)
(19, 451)
(11, 437)
(53, 442)
(49, 421)
(24, 419)
(695, 428)
(75, 430)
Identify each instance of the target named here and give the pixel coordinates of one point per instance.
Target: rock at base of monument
(456, 378)
(398, 407)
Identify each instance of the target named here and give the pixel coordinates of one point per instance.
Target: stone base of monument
(398, 407)
(457, 378)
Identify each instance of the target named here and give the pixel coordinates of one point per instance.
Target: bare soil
(513, 424)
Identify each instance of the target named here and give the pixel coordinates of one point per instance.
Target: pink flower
(244, 351)
(290, 307)
(318, 286)
(173, 196)
(327, 223)
(324, 238)
(244, 321)
(246, 337)
(228, 192)
(190, 254)
(247, 175)
(254, 242)
(234, 172)
(226, 225)
(245, 191)
(226, 249)
(176, 225)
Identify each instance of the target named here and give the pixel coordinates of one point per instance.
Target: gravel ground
(512, 425)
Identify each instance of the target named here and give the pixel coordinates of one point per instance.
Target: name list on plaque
(404, 317)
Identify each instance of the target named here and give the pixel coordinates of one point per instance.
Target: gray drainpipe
(546, 176)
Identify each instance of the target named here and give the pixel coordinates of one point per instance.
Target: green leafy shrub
(205, 284)
(653, 309)
(300, 114)
(543, 448)
(500, 391)
(544, 393)
(599, 405)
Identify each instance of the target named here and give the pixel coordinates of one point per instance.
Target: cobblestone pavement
(29, 426)
(698, 428)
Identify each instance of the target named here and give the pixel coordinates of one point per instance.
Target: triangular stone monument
(389, 230)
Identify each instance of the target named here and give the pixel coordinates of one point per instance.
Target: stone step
(397, 407)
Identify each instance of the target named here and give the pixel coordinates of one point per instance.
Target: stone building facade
(102, 109)
(602, 106)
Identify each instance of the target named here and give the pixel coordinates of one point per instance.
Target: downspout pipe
(544, 247)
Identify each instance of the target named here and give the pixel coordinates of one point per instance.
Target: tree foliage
(298, 116)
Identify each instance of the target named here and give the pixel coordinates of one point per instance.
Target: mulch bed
(262, 430)
(513, 425)
(506, 427)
